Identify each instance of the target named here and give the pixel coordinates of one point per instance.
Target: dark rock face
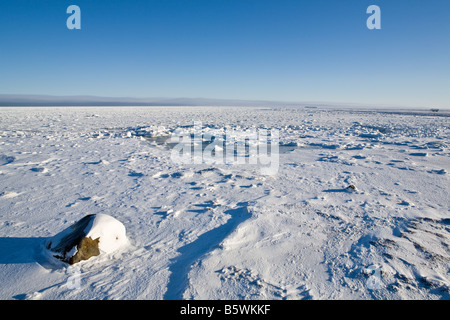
(75, 236)
(86, 248)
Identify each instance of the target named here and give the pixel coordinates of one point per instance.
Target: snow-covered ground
(211, 231)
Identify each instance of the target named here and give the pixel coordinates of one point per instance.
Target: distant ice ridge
(309, 131)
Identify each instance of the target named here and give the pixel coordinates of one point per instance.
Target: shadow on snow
(193, 251)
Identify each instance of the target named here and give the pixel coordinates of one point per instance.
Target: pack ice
(358, 207)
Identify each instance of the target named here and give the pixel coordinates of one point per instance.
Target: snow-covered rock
(90, 236)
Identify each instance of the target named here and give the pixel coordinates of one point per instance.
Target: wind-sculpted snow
(357, 207)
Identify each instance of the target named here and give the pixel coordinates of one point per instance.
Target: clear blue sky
(290, 50)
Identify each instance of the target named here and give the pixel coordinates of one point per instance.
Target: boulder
(92, 235)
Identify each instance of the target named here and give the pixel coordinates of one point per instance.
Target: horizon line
(30, 100)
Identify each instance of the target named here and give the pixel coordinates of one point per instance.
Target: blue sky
(288, 50)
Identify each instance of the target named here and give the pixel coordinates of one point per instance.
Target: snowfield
(228, 231)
